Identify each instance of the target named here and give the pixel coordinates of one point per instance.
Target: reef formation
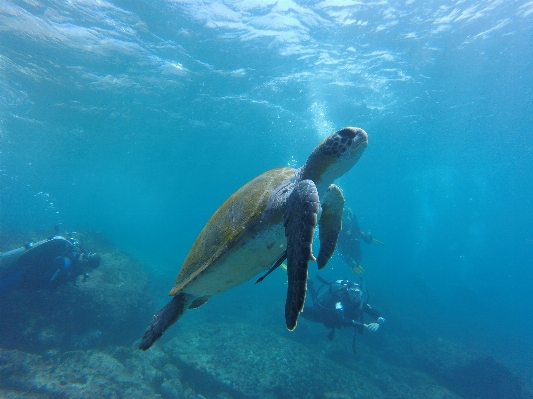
(224, 361)
(80, 342)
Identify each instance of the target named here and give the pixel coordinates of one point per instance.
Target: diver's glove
(372, 326)
(381, 320)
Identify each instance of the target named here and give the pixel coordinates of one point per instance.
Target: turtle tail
(167, 316)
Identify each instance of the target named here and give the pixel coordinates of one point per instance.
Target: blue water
(139, 120)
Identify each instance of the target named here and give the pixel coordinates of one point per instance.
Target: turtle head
(334, 157)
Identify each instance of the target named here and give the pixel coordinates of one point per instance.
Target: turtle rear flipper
(300, 222)
(330, 224)
(167, 316)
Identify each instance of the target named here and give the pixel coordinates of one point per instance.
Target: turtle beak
(352, 140)
(361, 136)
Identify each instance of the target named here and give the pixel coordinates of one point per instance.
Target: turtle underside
(240, 240)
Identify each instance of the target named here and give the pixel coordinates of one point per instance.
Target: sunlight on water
(322, 124)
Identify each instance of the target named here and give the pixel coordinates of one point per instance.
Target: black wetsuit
(44, 264)
(333, 308)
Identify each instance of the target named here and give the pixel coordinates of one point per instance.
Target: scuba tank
(25, 257)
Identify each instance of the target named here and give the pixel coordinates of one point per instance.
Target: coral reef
(250, 362)
(221, 361)
(466, 372)
(79, 374)
(78, 342)
(237, 361)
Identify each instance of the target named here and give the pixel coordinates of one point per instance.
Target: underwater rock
(100, 310)
(242, 361)
(172, 389)
(223, 361)
(77, 374)
(171, 371)
(468, 373)
(70, 327)
(119, 373)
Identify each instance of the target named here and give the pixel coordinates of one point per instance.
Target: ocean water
(138, 119)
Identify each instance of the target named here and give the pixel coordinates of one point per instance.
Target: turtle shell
(240, 224)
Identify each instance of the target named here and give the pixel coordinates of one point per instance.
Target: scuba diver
(341, 304)
(349, 242)
(45, 264)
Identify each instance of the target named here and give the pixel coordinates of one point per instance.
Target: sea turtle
(268, 220)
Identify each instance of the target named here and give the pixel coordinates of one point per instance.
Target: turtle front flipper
(330, 224)
(300, 221)
(167, 316)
